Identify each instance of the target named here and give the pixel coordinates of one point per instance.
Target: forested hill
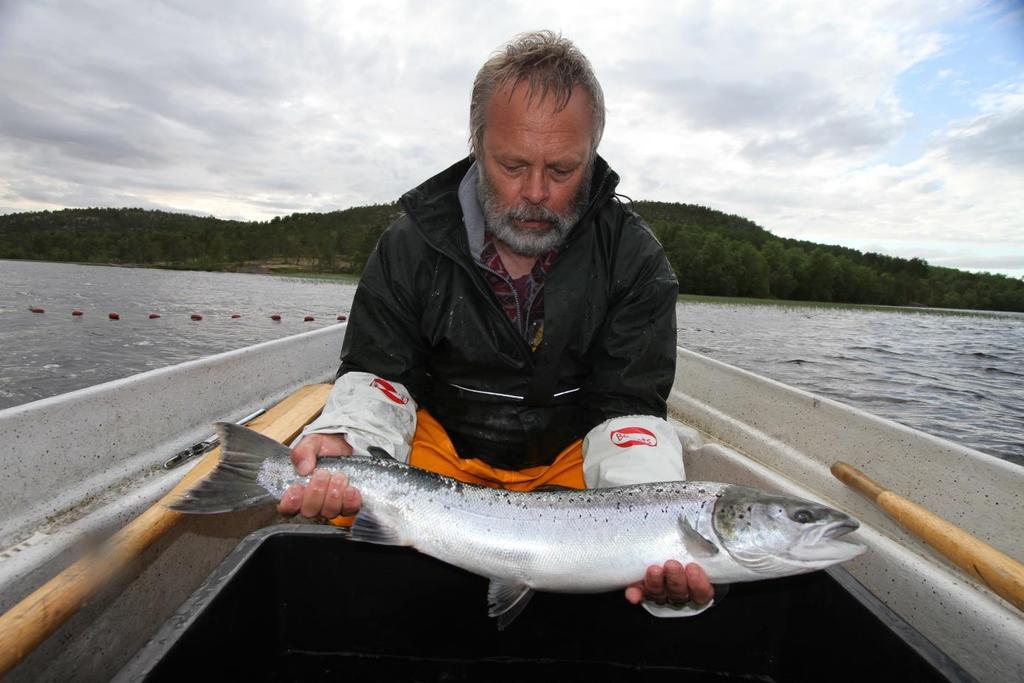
(712, 252)
(721, 254)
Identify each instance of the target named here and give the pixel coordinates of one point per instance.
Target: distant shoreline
(291, 271)
(249, 268)
(711, 253)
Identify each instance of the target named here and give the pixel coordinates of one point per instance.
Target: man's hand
(326, 495)
(672, 584)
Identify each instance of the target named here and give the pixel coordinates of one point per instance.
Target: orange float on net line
(234, 316)
(36, 309)
(114, 316)
(77, 312)
(276, 317)
(154, 316)
(308, 319)
(342, 318)
(196, 316)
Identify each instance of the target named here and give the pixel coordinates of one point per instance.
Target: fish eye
(803, 516)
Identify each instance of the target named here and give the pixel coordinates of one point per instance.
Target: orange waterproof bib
(432, 450)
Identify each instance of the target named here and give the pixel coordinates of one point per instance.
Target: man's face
(535, 168)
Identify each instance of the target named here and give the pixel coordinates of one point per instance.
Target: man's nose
(535, 187)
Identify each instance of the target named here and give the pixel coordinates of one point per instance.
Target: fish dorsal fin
(379, 453)
(506, 599)
(369, 529)
(695, 544)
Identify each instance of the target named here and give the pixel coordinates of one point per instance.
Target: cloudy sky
(895, 127)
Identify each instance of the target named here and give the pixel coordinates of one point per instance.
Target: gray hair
(549, 64)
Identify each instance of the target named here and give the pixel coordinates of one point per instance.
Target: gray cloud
(840, 133)
(746, 105)
(996, 139)
(788, 116)
(103, 136)
(250, 109)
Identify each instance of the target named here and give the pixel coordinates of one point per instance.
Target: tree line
(712, 252)
(720, 254)
(338, 241)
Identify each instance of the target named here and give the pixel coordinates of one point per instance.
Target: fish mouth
(836, 529)
(827, 547)
(826, 553)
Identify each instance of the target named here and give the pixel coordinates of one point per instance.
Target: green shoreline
(712, 253)
(289, 271)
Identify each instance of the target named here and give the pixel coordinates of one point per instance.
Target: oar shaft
(999, 572)
(32, 620)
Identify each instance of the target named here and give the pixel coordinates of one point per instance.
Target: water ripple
(954, 376)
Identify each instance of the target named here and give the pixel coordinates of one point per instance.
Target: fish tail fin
(233, 483)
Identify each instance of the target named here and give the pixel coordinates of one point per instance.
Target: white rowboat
(77, 467)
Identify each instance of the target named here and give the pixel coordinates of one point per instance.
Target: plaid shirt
(522, 298)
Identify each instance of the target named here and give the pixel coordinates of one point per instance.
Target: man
(516, 326)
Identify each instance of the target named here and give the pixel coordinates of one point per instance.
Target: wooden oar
(32, 620)
(1001, 573)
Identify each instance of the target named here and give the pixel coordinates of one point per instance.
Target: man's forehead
(537, 94)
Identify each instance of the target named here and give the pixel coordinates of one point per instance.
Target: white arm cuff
(635, 449)
(688, 610)
(369, 411)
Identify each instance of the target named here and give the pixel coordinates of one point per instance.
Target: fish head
(778, 535)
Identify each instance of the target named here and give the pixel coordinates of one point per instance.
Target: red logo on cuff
(388, 389)
(633, 436)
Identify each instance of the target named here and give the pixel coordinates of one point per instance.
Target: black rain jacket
(423, 315)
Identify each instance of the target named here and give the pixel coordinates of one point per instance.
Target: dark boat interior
(302, 603)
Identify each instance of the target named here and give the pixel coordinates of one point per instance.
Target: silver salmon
(570, 541)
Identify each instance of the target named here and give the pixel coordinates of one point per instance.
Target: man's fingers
(701, 590)
(352, 501)
(676, 582)
(311, 447)
(291, 501)
(316, 492)
(335, 497)
(333, 444)
(654, 584)
(635, 593)
(304, 454)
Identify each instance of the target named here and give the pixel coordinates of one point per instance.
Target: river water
(955, 375)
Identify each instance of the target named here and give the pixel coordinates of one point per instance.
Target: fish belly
(567, 552)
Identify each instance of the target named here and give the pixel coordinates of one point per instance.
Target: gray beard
(500, 220)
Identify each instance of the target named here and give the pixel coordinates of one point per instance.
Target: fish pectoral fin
(695, 544)
(369, 529)
(506, 599)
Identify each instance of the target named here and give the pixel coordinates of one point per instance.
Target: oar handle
(999, 572)
(857, 480)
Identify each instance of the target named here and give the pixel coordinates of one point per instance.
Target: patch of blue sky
(984, 48)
